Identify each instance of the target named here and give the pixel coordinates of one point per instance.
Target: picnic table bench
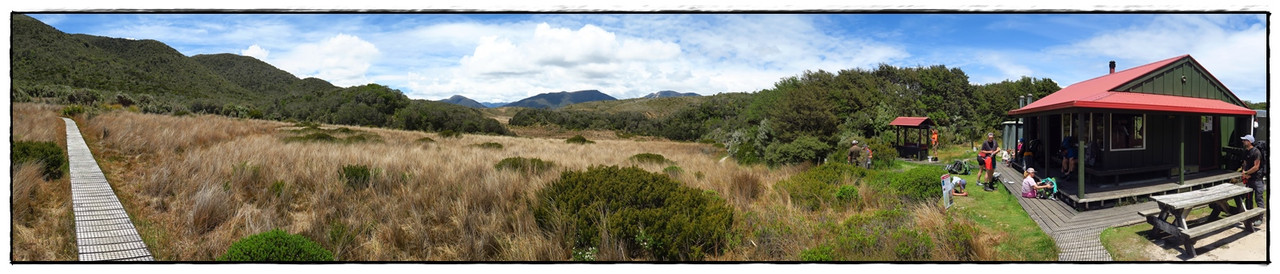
(1179, 205)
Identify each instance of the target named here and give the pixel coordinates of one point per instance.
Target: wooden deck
(1105, 193)
(104, 231)
(1076, 233)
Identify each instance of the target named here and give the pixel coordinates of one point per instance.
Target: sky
(505, 57)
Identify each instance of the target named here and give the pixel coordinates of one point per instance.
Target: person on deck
(989, 149)
(1029, 185)
(1248, 175)
(1069, 156)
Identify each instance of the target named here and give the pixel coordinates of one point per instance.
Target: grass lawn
(998, 212)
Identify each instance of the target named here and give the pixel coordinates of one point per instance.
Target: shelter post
(1079, 152)
(1182, 149)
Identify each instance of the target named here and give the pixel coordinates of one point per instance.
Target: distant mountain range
(669, 93)
(560, 99)
(463, 101)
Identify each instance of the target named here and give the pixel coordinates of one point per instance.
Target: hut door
(1209, 133)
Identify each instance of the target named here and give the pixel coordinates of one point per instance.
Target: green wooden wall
(1199, 84)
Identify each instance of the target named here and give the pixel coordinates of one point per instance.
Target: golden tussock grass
(438, 201)
(42, 222)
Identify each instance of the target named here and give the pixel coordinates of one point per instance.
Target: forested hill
(561, 99)
(258, 76)
(463, 101)
(44, 55)
(96, 71)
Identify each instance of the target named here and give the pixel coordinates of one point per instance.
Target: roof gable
(1143, 88)
(1182, 77)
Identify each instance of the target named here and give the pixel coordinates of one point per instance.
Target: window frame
(1111, 131)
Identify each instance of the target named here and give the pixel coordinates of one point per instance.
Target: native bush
(803, 149)
(818, 186)
(73, 110)
(489, 145)
(883, 155)
(276, 246)
(84, 97)
(356, 176)
(673, 171)
(578, 139)
(313, 137)
(917, 184)
(47, 154)
(820, 253)
(526, 165)
(448, 133)
(426, 140)
(652, 213)
(650, 158)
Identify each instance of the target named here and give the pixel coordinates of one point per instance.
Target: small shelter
(913, 136)
(1144, 125)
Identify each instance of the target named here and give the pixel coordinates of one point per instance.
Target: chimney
(1113, 66)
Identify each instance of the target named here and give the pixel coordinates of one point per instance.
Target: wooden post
(1182, 149)
(1079, 154)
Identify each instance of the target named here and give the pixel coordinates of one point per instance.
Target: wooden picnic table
(1179, 205)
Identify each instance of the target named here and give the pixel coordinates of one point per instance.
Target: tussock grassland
(42, 222)
(203, 182)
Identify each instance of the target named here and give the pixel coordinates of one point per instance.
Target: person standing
(989, 149)
(933, 138)
(1070, 156)
(854, 156)
(1248, 174)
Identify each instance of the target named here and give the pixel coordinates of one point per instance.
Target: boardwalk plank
(103, 229)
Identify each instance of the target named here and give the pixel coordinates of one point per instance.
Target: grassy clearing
(1014, 235)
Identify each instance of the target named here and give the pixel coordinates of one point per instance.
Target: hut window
(1128, 131)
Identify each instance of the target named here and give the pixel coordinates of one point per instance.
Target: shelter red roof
(909, 121)
(1100, 93)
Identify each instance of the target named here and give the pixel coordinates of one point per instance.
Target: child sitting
(1004, 155)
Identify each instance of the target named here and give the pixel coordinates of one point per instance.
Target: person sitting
(1004, 156)
(1029, 186)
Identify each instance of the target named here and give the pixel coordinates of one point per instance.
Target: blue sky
(506, 57)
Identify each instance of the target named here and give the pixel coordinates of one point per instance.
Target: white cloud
(256, 51)
(342, 60)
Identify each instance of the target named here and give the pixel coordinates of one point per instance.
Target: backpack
(958, 167)
(1263, 164)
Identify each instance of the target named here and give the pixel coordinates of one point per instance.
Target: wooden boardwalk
(1075, 233)
(103, 229)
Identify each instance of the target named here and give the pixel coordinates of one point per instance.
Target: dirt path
(1231, 244)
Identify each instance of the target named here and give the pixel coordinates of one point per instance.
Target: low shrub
(650, 158)
(84, 97)
(578, 139)
(911, 245)
(917, 184)
(803, 149)
(489, 145)
(73, 110)
(820, 253)
(426, 140)
(883, 155)
(673, 171)
(671, 221)
(313, 137)
(124, 99)
(47, 154)
(526, 165)
(356, 176)
(847, 195)
(276, 246)
(450, 134)
(818, 186)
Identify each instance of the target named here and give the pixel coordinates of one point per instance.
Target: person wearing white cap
(855, 154)
(1248, 174)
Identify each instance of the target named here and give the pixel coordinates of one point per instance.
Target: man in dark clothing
(989, 149)
(855, 154)
(1248, 174)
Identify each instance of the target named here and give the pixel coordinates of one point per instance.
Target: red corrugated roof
(1099, 93)
(908, 121)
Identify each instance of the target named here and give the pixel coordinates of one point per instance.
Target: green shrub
(817, 186)
(917, 184)
(578, 139)
(124, 99)
(526, 165)
(883, 155)
(48, 154)
(156, 108)
(450, 134)
(84, 97)
(489, 145)
(673, 171)
(276, 246)
(911, 244)
(650, 158)
(746, 153)
(356, 176)
(678, 222)
(73, 110)
(426, 140)
(821, 253)
(313, 137)
(847, 195)
(362, 137)
(803, 149)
